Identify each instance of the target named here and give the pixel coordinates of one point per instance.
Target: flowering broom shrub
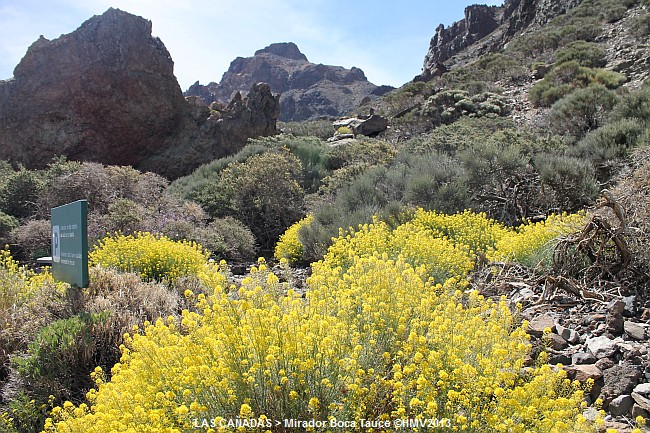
(377, 340)
(153, 257)
(532, 244)
(289, 246)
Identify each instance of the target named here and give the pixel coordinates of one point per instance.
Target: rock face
(501, 23)
(308, 90)
(107, 93)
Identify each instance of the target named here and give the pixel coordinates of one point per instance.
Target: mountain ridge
(308, 90)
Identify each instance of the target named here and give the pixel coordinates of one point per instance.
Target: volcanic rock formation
(107, 93)
(500, 23)
(308, 90)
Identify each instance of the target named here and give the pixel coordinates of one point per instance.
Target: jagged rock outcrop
(107, 93)
(307, 90)
(501, 23)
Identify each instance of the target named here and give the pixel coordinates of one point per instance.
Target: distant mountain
(107, 93)
(307, 90)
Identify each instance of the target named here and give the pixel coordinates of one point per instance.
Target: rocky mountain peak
(107, 93)
(288, 50)
(307, 90)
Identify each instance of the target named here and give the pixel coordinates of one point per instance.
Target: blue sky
(386, 38)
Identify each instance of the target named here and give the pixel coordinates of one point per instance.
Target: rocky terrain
(107, 93)
(308, 90)
(486, 29)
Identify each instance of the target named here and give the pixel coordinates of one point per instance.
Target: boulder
(621, 405)
(569, 335)
(582, 373)
(635, 330)
(537, 325)
(602, 346)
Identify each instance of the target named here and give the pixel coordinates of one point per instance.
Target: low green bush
(227, 238)
(583, 110)
(572, 179)
(63, 354)
(262, 192)
(19, 193)
(585, 53)
(608, 145)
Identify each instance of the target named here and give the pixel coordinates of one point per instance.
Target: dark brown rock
(107, 93)
(620, 380)
(308, 90)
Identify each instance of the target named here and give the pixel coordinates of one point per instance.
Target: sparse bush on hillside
(449, 105)
(635, 105)
(608, 145)
(640, 25)
(586, 54)
(572, 179)
(568, 76)
(583, 110)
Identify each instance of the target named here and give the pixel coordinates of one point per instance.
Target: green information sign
(70, 243)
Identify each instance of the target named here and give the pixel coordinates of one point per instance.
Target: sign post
(70, 243)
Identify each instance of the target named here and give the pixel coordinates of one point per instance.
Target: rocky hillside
(307, 90)
(500, 23)
(107, 93)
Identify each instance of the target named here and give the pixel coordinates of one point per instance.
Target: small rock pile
(605, 342)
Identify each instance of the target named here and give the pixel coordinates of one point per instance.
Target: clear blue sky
(388, 39)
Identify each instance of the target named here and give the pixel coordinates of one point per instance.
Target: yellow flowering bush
(289, 246)
(153, 257)
(389, 330)
(532, 244)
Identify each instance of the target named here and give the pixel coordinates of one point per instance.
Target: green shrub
(227, 238)
(7, 224)
(608, 145)
(449, 105)
(62, 356)
(545, 93)
(191, 186)
(585, 53)
(262, 192)
(640, 25)
(572, 179)
(34, 239)
(635, 105)
(583, 110)
(314, 159)
(24, 415)
(19, 193)
(568, 76)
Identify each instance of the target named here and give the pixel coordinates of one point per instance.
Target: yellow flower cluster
(18, 284)
(377, 338)
(153, 257)
(532, 244)
(289, 246)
